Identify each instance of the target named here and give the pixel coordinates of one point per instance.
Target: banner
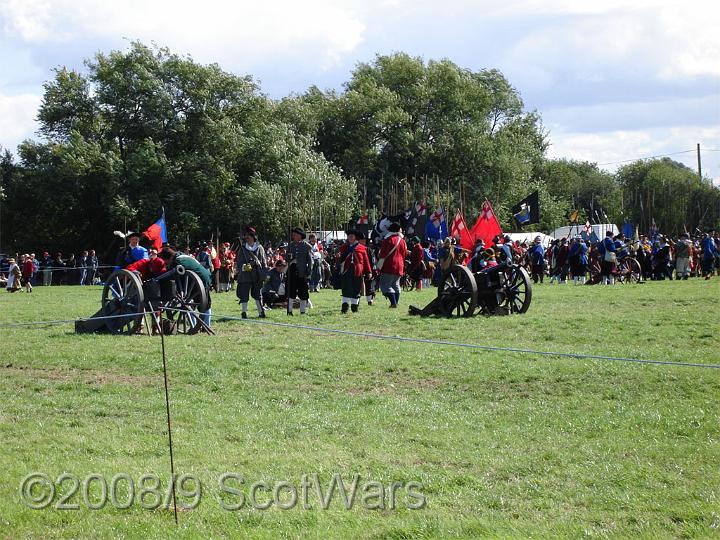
(486, 227)
(527, 211)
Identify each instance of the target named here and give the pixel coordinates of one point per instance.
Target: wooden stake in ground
(167, 409)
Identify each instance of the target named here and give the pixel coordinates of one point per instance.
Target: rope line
(403, 339)
(472, 345)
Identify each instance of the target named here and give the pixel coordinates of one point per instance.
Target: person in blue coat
(578, 260)
(536, 254)
(608, 254)
(135, 252)
(707, 246)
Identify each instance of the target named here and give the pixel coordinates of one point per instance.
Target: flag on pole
(157, 232)
(653, 230)
(436, 226)
(363, 220)
(588, 228)
(527, 211)
(574, 216)
(628, 230)
(486, 227)
(460, 232)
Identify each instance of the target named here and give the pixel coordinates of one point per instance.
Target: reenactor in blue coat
(578, 260)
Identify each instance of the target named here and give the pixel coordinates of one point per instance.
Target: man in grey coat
(299, 256)
(251, 272)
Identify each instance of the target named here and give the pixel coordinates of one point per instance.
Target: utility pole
(699, 162)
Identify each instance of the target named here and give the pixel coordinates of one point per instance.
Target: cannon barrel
(178, 269)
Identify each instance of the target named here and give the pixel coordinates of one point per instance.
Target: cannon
(500, 290)
(126, 300)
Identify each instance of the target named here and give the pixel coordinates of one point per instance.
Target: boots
(354, 308)
(344, 308)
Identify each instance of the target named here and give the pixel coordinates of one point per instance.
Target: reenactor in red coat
(391, 264)
(354, 266)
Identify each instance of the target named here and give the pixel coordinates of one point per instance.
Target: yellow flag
(574, 216)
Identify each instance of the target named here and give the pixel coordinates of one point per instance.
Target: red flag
(460, 232)
(486, 227)
(157, 232)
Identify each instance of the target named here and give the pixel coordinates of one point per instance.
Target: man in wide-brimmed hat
(14, 276)
(251, 265)
(299, 257)
(135, 251)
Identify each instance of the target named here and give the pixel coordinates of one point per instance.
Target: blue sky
(613, 80)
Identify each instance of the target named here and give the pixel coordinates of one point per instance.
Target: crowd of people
(284, 275)
(48, 270)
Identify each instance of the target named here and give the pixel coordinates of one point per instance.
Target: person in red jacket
(28, 270)
(391, 264)
(354, 265)
(148, 268)
(417, 263)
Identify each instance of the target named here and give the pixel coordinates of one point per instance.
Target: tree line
(145, 129)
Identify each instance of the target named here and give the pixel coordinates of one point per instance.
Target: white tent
(599, 230)
(329, 236)
(529, 237)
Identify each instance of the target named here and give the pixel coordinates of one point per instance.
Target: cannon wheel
(518, 290)
(123, 296)
(629, 270)
(191, 300)
(458, 292)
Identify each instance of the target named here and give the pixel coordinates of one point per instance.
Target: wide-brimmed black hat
(134, 235)
(301, 232)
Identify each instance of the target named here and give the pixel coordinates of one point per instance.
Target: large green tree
(145, 128)
(400, 117)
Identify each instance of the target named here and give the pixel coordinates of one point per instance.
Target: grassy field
(504, 444)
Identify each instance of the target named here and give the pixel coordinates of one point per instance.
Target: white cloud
(235, 33)
(17, 118)
(660, 39)
(611, 148)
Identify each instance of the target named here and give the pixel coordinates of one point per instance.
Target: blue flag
(628, 230)
(436, 226)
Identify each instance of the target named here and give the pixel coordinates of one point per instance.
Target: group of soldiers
(657, 258)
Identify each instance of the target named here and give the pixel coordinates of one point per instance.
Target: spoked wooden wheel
(123, 298)
(190, 302)
(458, 292)
(517, 290)
(630, 271)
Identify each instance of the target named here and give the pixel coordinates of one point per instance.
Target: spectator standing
(82, 267)
(28, 271)
(58, 271)
(14, 276)
(92, 267)
(46, 264)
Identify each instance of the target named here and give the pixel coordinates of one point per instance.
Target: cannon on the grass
(500, 290)
(127, 300)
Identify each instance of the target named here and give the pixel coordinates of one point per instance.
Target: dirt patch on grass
(87, 376)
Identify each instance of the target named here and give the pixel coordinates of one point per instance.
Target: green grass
(505, 444)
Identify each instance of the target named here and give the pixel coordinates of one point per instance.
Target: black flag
(527, 211)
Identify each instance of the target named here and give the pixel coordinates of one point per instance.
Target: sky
(612, 80)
